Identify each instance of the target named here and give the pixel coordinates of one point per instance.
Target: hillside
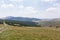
(51, 22)
(22, 21)
(21, 18)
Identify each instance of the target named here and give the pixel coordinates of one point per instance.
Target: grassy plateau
(30, 33)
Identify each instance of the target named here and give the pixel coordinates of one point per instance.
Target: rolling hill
(21, 18)
(31, 21)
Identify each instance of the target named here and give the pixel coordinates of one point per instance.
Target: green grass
(33, 33)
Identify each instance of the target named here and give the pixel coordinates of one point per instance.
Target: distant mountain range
(31, 21)
(28, 19)
(21, 18)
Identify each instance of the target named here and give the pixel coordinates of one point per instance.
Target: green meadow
(30, 33)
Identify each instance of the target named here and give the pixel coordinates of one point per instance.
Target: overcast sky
(30, 8)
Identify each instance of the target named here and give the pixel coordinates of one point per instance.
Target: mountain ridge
(20, 18)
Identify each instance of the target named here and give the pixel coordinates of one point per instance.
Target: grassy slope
(35, 33)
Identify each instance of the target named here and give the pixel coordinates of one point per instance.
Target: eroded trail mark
(3, 29)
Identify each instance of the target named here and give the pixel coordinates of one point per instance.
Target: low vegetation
(30, 33)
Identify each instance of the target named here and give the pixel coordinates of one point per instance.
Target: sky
(42, 9)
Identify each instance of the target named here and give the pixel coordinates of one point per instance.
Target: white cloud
(56, 4)
(21, 6)
(30, 10)
(52, 12)
(22, 12)
(17, 0)
(48, 0)
(51, 9)
(7, 5)
(55, 8)
(2, 1)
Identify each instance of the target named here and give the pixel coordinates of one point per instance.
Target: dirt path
(3, 29)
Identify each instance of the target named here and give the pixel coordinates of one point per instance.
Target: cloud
(21, 6)
(22, 11)
(7, 5)
(48, 0)
(55, 8)
(51, 9)
(56, 5)
(52, 12)
(16, 0)
(30, 10)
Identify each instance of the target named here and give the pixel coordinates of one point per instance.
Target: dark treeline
(18, 23)
(31, 23)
